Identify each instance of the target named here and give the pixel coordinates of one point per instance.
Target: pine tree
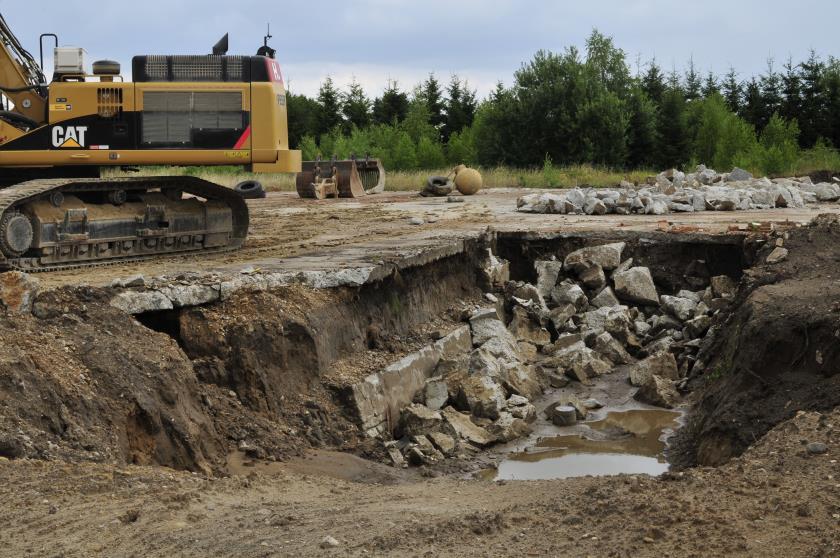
(392, 106)
(460, 107)
(642, 133)
(752, 109)
(771, 95)
(811, 125)
(432, 95)
(732, 91)
(832, 101)
(329, 101)
(673, 128)
(692, 82)
(355, 106)
(710, 86)
(303, 114)
(791, 92)
(653, 83)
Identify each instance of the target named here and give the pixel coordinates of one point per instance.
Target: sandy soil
(775, 500)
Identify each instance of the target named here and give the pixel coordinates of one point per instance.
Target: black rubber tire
(250, 189)
(437, 181)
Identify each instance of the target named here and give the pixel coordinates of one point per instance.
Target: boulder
(18, 291)
(487, 330)
(523, 328)
(593, 277)
(521, 379)
(659, 392)
(680, 308)
(561, 314)
(483, 363)
(435, 393)
(723, 286)
(465, 428)
(416, 420)
(444, 443)
(594, 206)
(738, 175)
(496, 270)
(482, 396)
(636, 286)
(507, 428)
(569, 293)
(690, 295)
(778, 254)
(698, 326)
(662, 364)
(606, 298)
(527, 351)
(547, 273)
(607, 346)
(521, 408)
(579, 362)
(607, 256)
(525, 292)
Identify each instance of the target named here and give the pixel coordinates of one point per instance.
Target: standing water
(629, 442)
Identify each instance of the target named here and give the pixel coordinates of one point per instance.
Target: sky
(484, 42)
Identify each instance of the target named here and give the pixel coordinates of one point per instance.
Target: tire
(250, 189)
(437, 181)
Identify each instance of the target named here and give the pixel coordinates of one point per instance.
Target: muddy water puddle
(624, 442)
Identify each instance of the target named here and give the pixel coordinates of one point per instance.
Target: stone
(816, 448)
(636, 286)
(594, 206)
(593, 404)
(486, 329)
(738, 175)
(607, 257)
(466, 429)
(641, 328)
(416, 221)
(416, 420)
(593, 277)
(524, 329)
(132, 281)
(659, 392)
(435, 393)
(329, 542)
(662, 364)
(18, 291)
(521, 408)
(397, 459)
(580, 363)
(139, 302)
(520, 379)
(698, 326)
(191, 295)
(527, 351)
(622, 267)
(561, 314)
(723, 286)
(496, 270)
(444, 443)
(680, 308)
(611, 349)
(569, 293)
(777, 255)
(507, 428)
(605, 298)
(527, 294)
(491, 298)
(482, 396)
(547, 273)
(690, 295)
(563, 415)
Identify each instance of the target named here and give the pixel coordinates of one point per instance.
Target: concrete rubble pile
(591, 314)
(674, 191)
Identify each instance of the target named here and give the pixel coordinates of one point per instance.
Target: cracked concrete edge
(162, 294)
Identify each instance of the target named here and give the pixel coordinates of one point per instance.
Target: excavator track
(55, 224)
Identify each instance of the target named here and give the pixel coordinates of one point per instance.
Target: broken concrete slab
(636, 285)
(607, 257)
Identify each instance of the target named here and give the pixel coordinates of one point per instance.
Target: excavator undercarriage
(59, 223)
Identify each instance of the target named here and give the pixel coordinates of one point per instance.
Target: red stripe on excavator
(242, 140)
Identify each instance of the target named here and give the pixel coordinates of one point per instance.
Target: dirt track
(344, 231)
(775, 501)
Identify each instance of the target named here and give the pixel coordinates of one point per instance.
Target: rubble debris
(659, 392)
(466, 429)
(662, 364)
(636, 285)
(778, 254)
(18, 292)
(673, 192)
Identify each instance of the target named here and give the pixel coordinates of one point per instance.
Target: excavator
(56, 208)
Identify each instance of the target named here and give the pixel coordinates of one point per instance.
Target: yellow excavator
(180, 110)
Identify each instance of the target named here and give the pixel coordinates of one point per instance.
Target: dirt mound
(777, 354)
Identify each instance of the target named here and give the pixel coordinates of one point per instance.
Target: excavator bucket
(350, 178)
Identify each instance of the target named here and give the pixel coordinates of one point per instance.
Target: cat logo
(69, 136)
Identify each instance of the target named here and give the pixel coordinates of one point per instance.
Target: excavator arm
(21, 80)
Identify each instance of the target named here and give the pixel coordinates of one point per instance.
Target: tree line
(583, 107)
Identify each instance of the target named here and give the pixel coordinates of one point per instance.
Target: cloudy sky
(483, 41)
